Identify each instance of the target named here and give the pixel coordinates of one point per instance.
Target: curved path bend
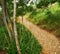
(48, 41)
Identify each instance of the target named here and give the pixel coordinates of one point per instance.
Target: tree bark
(4, 19)
(15, 29)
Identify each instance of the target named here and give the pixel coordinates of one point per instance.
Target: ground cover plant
(28, 43)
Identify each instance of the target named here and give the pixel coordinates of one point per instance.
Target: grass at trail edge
(28, 43)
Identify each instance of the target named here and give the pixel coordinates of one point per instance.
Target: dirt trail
(48, 41)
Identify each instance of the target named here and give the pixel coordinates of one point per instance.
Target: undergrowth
(28, 43)
(47, 18)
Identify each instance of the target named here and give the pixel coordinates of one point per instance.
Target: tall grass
(28, 43)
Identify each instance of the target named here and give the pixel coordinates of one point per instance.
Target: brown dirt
(48, 41)
(3, 52)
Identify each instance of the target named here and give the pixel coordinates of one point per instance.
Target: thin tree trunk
(9, 21)
(22, 26)
(4, 19)
(15, 29)
(22, 19)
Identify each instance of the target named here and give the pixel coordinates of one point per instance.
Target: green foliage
(20, 7)
(47, 18)
(28, 44)
(38, 16)
(42, 3)
(45, 3)
(20, 11)
(5, 43)
(10, 7)
(21, 3)
(29, 9)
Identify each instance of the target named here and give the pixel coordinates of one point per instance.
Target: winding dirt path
(48, 41)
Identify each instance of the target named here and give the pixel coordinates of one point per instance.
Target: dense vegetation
(47, 18)
(45, 14)
(12, 40)
(28, 44)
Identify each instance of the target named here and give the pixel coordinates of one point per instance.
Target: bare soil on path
(48, 41)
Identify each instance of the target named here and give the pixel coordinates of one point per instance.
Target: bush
(48, 18)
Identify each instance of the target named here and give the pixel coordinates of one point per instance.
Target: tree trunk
(9, 21)
(4, 19)
(15, 29)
